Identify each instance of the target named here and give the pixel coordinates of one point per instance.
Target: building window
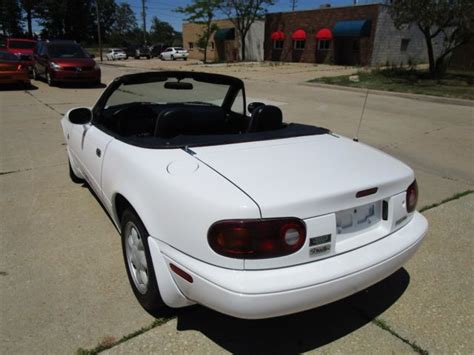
(324, 44)
(299, 44)
(404, 44)
(278, 44)
(191, 45)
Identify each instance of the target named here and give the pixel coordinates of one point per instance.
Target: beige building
(224, 44)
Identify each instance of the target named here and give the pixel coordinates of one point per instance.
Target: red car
(23, 49)
(12, 71)
(64, 61)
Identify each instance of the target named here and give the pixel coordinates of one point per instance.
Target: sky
(163, 9)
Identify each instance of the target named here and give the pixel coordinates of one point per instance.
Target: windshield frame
(235, 86)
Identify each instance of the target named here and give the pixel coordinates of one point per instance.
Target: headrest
(265, 118)
(193, 121)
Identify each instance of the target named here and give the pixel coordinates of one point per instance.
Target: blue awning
(355, 28)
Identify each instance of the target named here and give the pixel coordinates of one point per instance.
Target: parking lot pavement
(62, 280)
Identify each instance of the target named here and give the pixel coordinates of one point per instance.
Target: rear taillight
(19, 67)
(257, 238)
(412, 197)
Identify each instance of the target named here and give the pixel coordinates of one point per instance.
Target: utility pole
(99, 37)
(293, 5)
(144, 21)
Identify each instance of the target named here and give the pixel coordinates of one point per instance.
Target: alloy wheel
(136, 258)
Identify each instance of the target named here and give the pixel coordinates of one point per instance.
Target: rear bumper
(73, 76)
(275, 292)
(14, 77)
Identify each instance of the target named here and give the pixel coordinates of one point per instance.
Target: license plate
(358, 218)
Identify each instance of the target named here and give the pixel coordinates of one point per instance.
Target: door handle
(98, 152)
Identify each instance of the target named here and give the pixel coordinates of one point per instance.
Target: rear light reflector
(181, 273)
(412, 197)
(257, 238)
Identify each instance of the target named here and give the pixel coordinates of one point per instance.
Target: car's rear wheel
(173, 58)
(139, 264)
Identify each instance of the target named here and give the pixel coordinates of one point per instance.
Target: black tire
(173, 58)
(74, 178)
(49, 79)
(150, 299)
(185, 58)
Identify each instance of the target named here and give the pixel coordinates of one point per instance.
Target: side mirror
(253, 105)
(80, 115)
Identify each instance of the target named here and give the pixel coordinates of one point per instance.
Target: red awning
(278, 36)
(298, 35)
(324, 33)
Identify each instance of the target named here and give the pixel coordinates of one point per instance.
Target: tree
(448, 22)
(125, 20)
(243, 14)
(202, 12)
(11, 19)
(70, 19)
(29, 7)
(161, 31)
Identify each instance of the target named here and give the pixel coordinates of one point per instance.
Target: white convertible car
(245, 214)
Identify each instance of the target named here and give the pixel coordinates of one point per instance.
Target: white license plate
(358, 218)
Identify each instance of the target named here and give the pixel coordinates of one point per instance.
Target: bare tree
(243, 14)
(448, 22)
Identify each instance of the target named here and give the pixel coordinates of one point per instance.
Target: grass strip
(107, 345)
(453, 84)
(382, 325)
(452, 198)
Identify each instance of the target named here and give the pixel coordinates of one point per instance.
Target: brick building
(351, 35)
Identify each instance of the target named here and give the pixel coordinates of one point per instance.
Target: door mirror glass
(80, 115)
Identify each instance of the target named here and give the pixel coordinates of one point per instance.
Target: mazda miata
(232, 207)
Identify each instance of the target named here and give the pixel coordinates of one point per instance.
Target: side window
(238, 105)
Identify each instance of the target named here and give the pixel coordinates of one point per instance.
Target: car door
(88, 146)
(166, 53)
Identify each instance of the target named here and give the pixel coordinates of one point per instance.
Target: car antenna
(356, 138)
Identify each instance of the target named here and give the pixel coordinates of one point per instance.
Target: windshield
(179, 48)
(5, 56)
(21, 44)
(170, 91)
(66, 51)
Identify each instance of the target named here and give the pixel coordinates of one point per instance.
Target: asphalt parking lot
(63, 285)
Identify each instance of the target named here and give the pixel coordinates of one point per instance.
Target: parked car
(23, 49)
(157, 49)
(247, 215)
(173, 53)
(64, 61)
(13, 70)
(138, 51)
(115, 54)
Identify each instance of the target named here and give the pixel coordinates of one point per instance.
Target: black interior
(179, 125)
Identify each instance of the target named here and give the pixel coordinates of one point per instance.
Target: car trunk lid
(317, 179)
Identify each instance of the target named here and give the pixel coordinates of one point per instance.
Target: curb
(419, 97)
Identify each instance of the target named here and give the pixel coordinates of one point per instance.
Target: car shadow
(299, 332)
(17, 87)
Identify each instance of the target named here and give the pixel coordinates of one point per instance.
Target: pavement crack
(14, 171)
(384, 326)
(449, 199)
(110, 343)
(44, 103)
